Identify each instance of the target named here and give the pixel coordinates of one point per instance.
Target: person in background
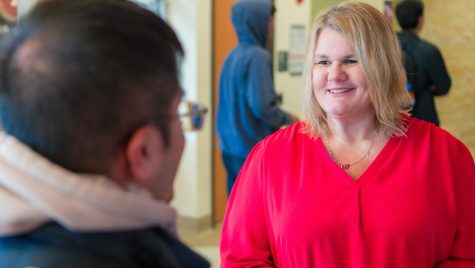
(358, 183)
(431, 77)
(89, 93)
(248, 106)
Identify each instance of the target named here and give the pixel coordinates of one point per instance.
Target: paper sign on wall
(297, 49)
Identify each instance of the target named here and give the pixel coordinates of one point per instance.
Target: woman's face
(338, 79)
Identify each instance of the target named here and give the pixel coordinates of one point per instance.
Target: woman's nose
(337, 73)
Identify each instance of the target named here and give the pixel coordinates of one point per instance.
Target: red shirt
(414, 206)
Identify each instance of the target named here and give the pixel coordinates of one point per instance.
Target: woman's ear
(144, 154)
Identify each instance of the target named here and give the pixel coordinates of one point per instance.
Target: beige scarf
(34, 190)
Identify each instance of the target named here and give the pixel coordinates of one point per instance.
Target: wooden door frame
(224, 39)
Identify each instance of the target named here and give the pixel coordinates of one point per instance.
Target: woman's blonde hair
(377, 50)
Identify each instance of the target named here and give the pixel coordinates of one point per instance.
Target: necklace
(346, 166)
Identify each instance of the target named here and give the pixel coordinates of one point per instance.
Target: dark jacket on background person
(248, 108)
(431, 71)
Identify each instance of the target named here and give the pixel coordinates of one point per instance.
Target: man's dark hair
(408, 13)
(78, 77)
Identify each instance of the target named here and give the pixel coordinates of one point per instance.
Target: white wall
(379, 4)
(289, 13)
(23, 6)
(191, 19)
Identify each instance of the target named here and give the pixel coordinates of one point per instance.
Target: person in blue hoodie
(248, 107)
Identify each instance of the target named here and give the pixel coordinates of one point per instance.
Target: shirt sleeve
(244, 237)
(261, 96)
(462, 254)
(438, 72)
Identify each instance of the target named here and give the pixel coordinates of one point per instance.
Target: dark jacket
(432, 78)
(53, 246)
(248, 107)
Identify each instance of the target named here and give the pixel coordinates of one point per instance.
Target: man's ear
(420, 23)
(145, 154)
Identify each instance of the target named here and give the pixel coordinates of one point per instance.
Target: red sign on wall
(299, 1)
(8, 9)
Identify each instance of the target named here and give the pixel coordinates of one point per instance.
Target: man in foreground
(88, 100)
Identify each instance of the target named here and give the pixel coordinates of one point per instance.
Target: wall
(192, 21)
(289, 13)
(449, 26)
(319, 5)
(23, 6)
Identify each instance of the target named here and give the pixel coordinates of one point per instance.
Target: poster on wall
(388, 11)
(297, 49)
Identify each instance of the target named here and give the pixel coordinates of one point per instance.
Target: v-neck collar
(373, 167)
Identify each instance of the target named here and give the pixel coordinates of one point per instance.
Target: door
(224, 39)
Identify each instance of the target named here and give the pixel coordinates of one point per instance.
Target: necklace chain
(346, 166)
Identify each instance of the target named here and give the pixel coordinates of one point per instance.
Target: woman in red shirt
(359, 183)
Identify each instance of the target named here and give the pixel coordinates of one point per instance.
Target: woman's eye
(323, 62)
(351, 61)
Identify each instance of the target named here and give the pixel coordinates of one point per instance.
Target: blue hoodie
(248, 108)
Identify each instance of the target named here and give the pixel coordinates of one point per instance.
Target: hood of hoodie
(34, 191)
(251, 21)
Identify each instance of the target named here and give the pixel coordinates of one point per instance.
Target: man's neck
(412, 31)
